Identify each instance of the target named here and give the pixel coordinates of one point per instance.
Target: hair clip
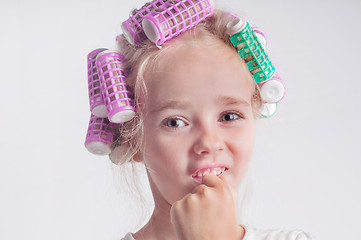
(175, 17)
(250, 43)
(132, 27)
(99, 136)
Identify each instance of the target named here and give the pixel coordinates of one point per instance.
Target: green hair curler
(250, 49)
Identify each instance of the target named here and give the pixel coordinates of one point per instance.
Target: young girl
(193, 129)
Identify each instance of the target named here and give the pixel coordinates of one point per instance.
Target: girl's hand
(208, 213)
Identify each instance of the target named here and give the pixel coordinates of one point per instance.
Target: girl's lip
(216, 170)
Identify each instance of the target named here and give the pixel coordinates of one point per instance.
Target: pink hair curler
(174, 18)
(99, 136)
(117, 97)
(132, 27)
(272, 90)
(96, 102)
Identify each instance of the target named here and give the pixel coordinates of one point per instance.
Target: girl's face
(198, 116)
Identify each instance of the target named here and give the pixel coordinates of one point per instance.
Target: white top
(259, 234)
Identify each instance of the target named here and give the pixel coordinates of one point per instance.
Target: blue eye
(175, 123)
(227, 117)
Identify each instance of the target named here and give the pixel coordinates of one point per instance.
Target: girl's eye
(230, 117)
(175, 123)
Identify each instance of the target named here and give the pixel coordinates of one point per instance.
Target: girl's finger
(224, 181)
(211, 180)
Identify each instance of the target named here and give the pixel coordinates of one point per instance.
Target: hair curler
(257, 31)
(261, 36)
(96, 102)
(250, 49)
(268, 109)
(99, 136)
(175, 17)
(132, 27)
(272, 90)
(117, 97)
(250, 42)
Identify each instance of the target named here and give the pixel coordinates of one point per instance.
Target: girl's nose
(208, 142)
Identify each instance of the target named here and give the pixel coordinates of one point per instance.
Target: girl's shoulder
(275, 234)
(129, 236)
(261, 234)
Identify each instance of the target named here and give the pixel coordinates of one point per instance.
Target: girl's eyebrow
(224, 100)
(227, 100)
(171, 105)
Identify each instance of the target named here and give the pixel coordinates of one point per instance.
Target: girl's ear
(138, 157)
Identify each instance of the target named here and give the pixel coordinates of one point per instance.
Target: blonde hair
(144, 57)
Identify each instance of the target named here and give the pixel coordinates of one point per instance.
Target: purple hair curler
(117, 97)
(96, 102)
(272, 90)
(132, 27)
(99, 136)
(174, 18)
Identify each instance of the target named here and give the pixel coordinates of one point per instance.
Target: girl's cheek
(170, 144)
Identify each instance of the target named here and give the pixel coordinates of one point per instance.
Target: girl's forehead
(181, 56)
(214, 48)
(193, 71)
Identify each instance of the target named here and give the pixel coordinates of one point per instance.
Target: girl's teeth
(216, 171)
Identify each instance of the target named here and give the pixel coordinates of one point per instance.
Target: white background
(307, 158)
